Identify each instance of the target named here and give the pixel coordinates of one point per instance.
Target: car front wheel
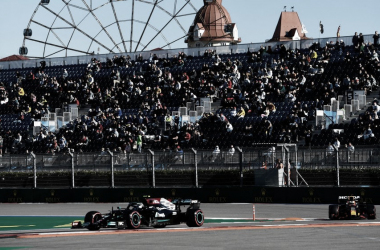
(134, 220)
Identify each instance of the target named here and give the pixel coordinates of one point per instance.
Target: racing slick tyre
(371, 211)
(92, 217)
(133, 220)
(194, 218)
(333, 212)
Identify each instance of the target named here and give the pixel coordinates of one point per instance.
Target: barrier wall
(206, 195)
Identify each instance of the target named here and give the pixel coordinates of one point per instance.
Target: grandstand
(121, 96)
(189, 109)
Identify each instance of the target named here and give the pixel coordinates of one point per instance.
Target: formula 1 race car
(152, 212)
(351, 207)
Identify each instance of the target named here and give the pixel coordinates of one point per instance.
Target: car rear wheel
(333, 212)
(92, 217)
(194, 218)
(134, 220)
(371, 211)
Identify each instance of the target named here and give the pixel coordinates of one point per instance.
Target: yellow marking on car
(65, 225)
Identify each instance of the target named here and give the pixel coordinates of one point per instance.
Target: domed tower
(212, 26)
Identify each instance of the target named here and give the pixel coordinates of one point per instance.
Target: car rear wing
(344, 199)
(183, 202)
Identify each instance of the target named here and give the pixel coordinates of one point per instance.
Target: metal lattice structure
(80, 27)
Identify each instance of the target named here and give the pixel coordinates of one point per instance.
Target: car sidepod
(371, 211)
(333, 212)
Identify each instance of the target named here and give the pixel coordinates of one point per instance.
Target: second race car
(351, 207)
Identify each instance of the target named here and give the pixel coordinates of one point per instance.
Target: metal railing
(148, 167)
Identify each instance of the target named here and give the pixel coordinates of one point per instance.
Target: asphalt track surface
(228, 226)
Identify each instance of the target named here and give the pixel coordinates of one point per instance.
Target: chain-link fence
(189, 168)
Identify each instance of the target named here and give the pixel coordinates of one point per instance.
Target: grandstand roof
(14, 58)
(284, 29)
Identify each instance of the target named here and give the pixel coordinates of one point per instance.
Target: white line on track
(248, 222)
(78, 232)
(283, 225)
(41, 216)
(108, 231)
(214, 218)
(284, 219)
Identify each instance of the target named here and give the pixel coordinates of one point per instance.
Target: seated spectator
(231, 151)
(187, 137)
(264, 165)
(268, 128)
(115, 76)
(65, 74)
(215, 153)
(139, 143)
(229, 127)
(279, 164)
(18, 138)
(178, 154)
(233, 112)
(375, 56)
(21, 91)
(330, 149)
(241, 113)
(1, 145)
(368, 133)
(312, 71)
(223, 119)
(350, 147)
(271, 107)
(337, 143)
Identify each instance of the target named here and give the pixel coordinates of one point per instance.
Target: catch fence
(189, 168)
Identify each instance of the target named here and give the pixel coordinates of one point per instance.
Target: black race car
(351, 207)
(152, 212)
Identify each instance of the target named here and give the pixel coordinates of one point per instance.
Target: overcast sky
(255, 19)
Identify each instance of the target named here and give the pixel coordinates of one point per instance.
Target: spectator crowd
(265, 96)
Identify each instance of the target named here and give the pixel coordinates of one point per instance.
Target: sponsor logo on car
(346, 197)
(159, 215)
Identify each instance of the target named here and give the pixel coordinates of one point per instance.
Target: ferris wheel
(64, 28)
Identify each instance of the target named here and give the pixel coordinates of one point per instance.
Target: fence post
(183, 157)
(112, 170)
(72, 170)
(34, 169)
(296, 164)
(128, 159)
(241, 165)
(153, 170)
(253, 212)
(337, 165)
(195, 166)
(287, 157)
